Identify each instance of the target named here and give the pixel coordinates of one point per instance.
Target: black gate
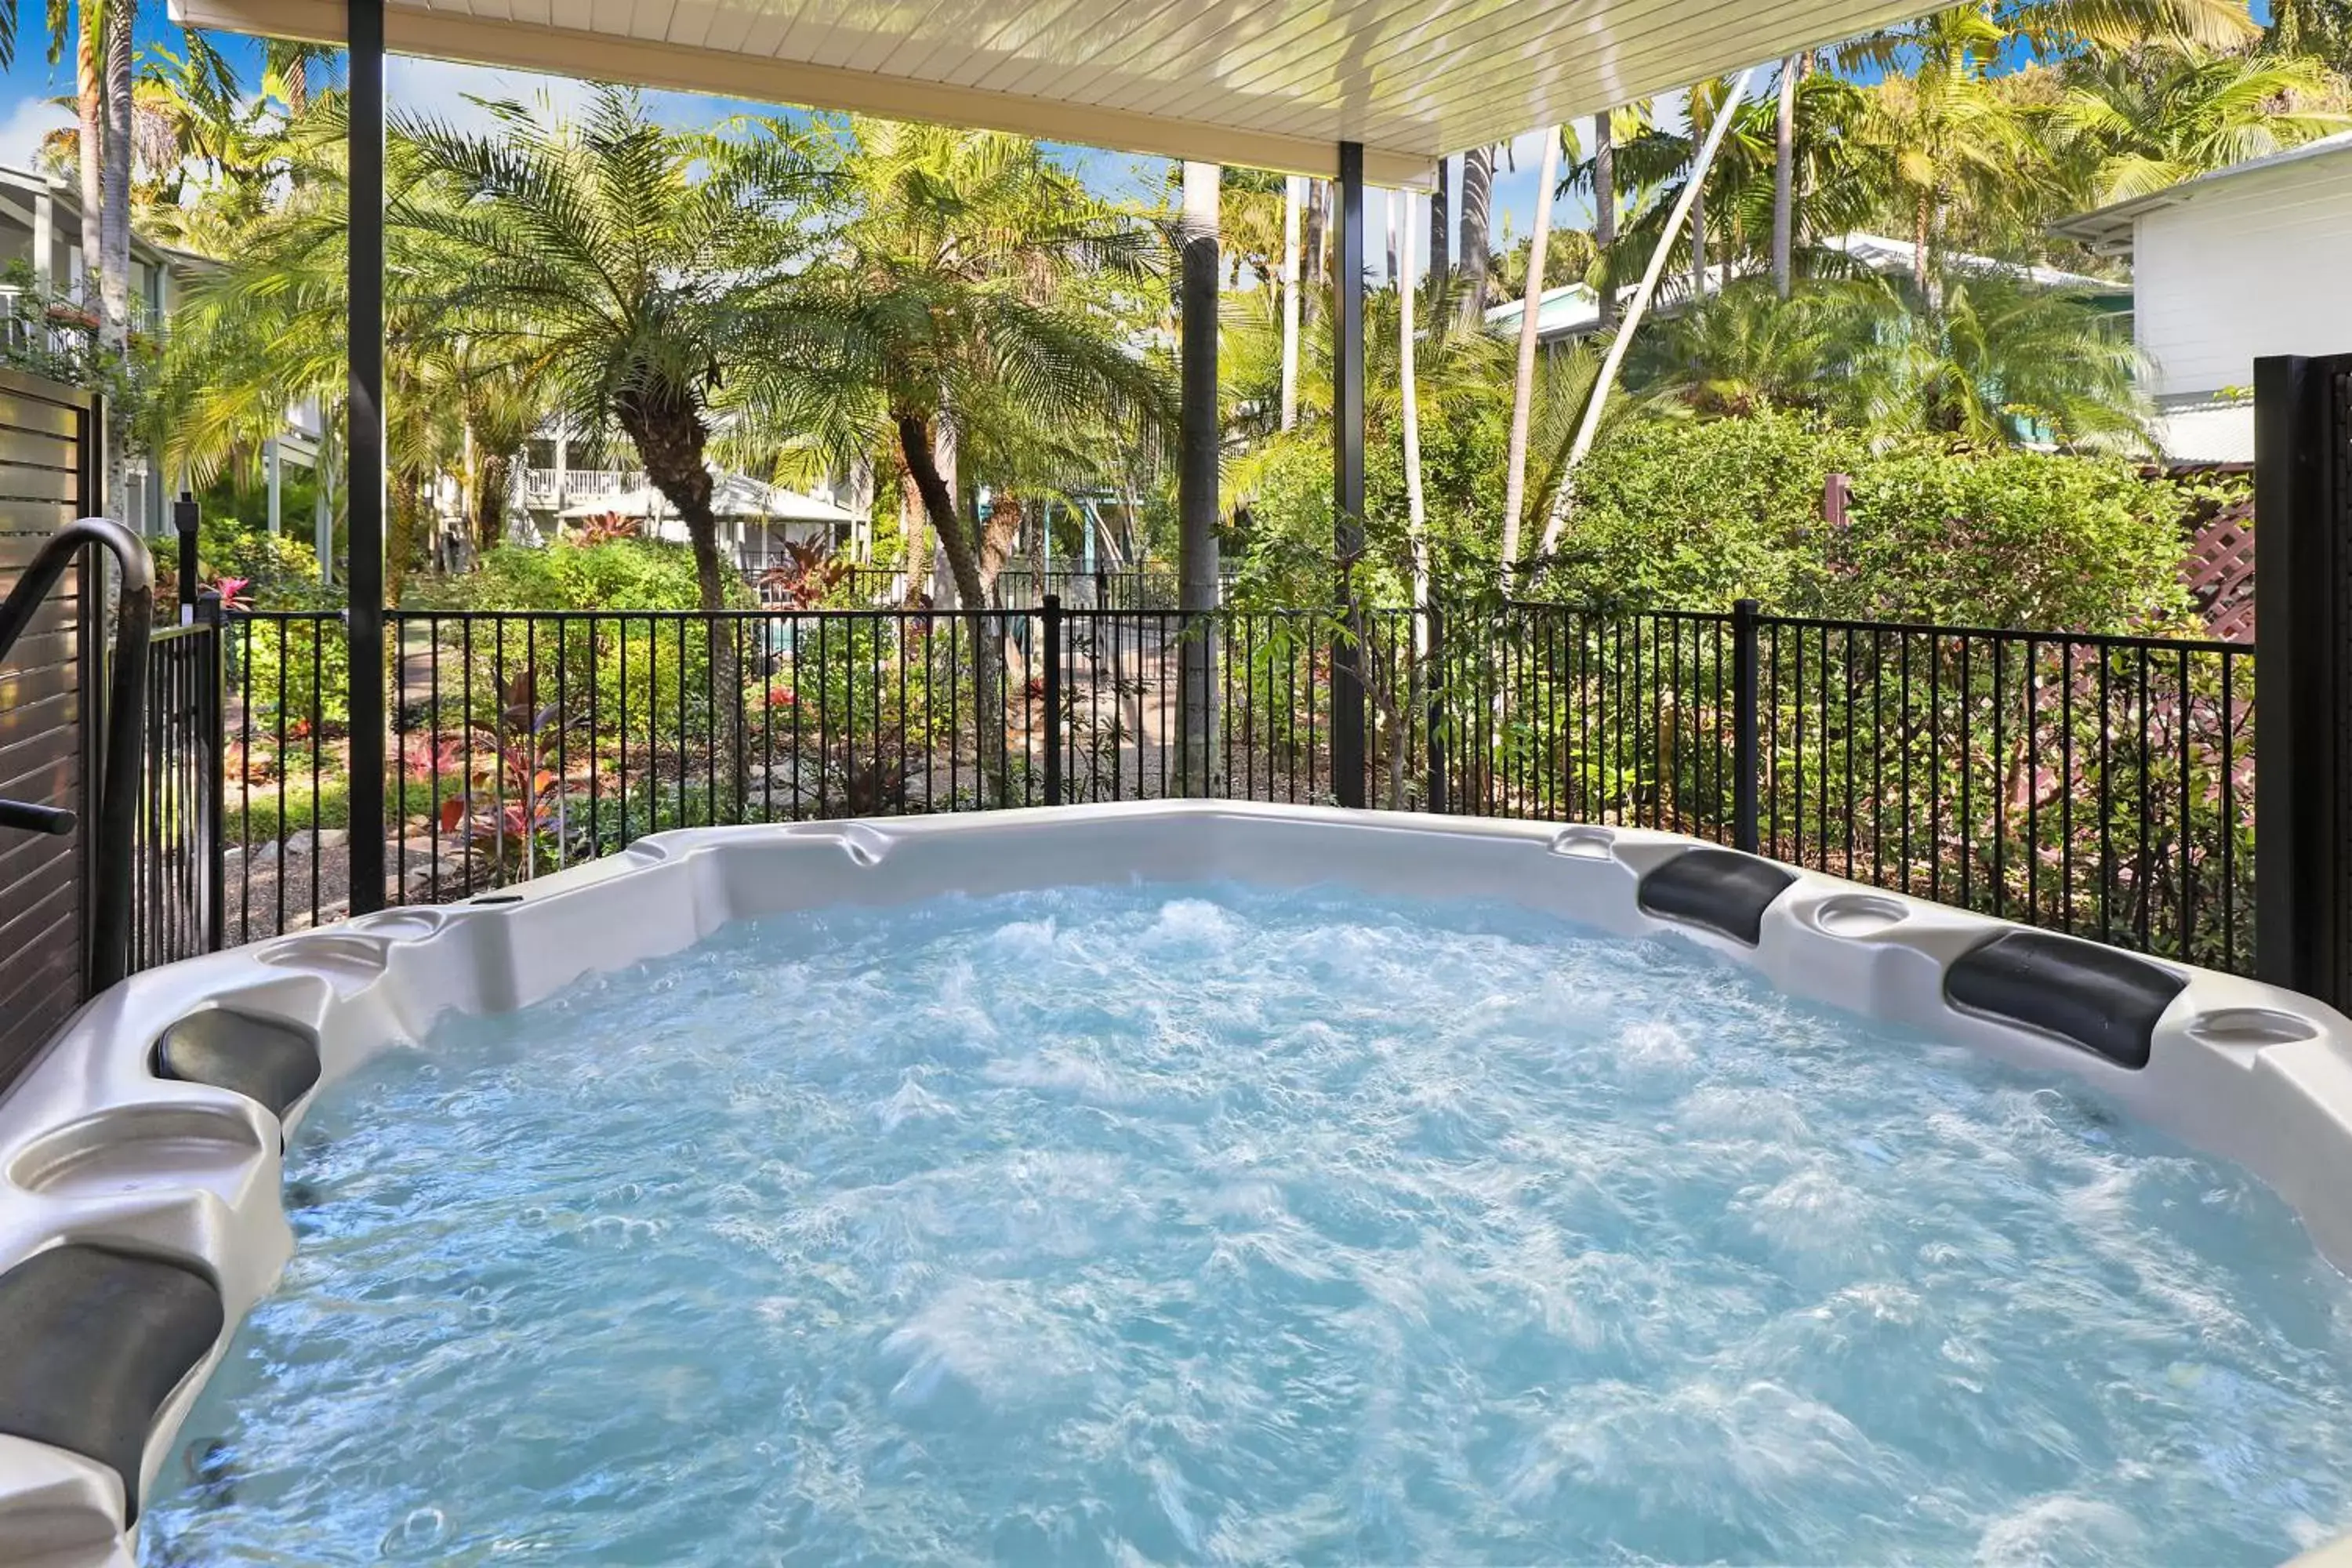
(176, 863)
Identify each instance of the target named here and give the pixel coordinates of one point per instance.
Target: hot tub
(141, 1161)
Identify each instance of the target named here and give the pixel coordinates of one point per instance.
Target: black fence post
(1434, 698)
(1050, 636)
(1746, 765)
(184, 524)
(215, 780)
(2302, 678)
(1348, 751)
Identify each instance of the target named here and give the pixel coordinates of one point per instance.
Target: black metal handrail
(118, 800)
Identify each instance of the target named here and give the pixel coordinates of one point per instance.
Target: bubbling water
(1215, 1223)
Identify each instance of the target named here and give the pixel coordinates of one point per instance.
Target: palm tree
(1746, 349)
(972, 276)
(639, 271)
(2142, 125)
(1991, 360)
(1948, 142)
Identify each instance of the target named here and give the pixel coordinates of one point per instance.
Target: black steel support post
(2303, 675)
(1348, 478)
(1050, 636)
(184, 524)
(365, 454)
(1746, 758)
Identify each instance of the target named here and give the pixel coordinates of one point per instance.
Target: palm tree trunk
(914, 542)
(670, 436)
(1699, 239)
(407, 508)
(1292, 192)
(1441, 233)
(964, 562)
(494, 473)
(1515, 481)
(114, 192)
(89, 105)
(1314, 223)
(1784, 180)
(1197, 501)
(1409, 396)
(1604, 213)
(1920, 245)
(1477, 191)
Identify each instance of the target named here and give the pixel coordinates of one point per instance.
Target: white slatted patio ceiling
(1274, 84)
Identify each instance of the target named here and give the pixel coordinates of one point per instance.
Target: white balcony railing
(581, 485)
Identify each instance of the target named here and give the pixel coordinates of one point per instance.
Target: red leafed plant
(609, 528)
(512, 806)
(232, 592)
(808, 573)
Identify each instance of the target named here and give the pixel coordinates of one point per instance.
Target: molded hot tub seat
(140, 1215)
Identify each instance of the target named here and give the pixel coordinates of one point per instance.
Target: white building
(2248, 260)
(41, 232)
(1573, 309)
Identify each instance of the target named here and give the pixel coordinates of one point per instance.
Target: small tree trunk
(114, 192)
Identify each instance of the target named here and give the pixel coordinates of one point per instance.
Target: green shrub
(619, 574)
(1693, 516)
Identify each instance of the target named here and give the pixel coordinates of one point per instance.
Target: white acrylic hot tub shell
(95, 1148)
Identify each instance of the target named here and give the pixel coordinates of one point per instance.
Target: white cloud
(30, 119)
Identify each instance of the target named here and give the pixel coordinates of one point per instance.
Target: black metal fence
(2100, 786)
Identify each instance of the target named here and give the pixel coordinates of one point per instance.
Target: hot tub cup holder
(1858, 915)
(2247, 1029)
(138, 1148)
(1585, 843)
(400, 925)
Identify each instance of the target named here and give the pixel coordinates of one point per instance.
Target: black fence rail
(2098, 785)
(1019, 587)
